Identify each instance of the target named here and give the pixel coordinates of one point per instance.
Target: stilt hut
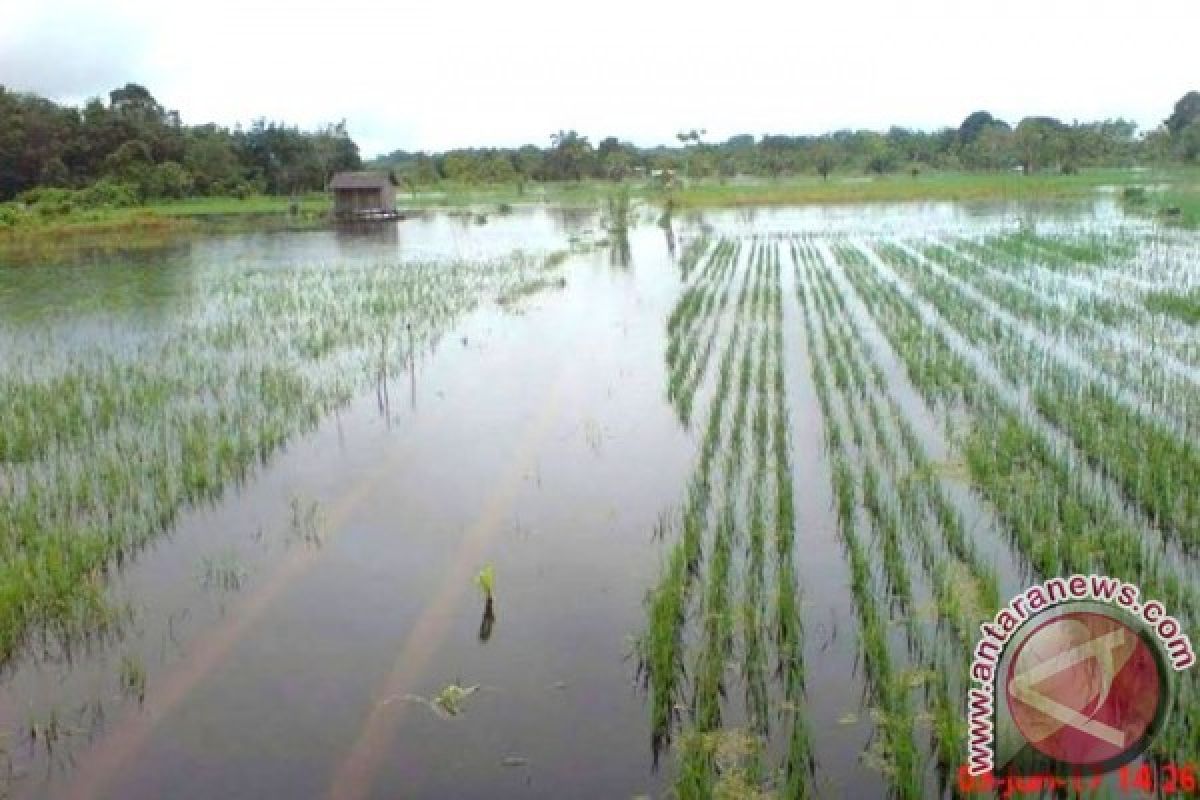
(363, 195)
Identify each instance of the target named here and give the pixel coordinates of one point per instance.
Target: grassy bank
(37, 237)
(158, 213)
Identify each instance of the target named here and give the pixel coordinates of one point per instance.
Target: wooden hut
(358, 195)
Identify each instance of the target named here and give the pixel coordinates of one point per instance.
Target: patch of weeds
(133, 678)
(308, 523)
(222, 572)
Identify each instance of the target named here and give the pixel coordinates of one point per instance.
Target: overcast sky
(437, 75)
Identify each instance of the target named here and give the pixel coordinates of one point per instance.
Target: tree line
(131, 149)
(980, 142)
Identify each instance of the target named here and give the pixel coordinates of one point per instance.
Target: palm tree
(692, 136)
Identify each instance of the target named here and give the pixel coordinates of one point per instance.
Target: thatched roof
(360, 180)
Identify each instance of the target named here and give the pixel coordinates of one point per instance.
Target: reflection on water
(384, 233)
(573, 221)
(917, 218)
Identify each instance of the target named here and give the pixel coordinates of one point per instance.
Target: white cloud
(438, 75)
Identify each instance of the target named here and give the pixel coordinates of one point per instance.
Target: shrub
(1134, 195)
(107, 193)
(168, 179)
(54, 207)
(47, 201)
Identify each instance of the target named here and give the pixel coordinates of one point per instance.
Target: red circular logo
(1085, 689)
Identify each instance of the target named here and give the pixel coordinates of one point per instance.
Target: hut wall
(349, 201)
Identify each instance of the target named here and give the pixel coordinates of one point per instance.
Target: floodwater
(538, 439)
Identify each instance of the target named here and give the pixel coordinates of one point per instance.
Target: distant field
(807, 189)
(1181, 191)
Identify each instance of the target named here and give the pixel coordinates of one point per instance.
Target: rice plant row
(692, 255)
(695, 335)
(1134, 357)
(1154, 466)
(1113, 301)
(906, 515)
(745, 614)
(896, 749)
(1055, 527)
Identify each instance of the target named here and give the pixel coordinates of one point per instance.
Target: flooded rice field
(516, 505)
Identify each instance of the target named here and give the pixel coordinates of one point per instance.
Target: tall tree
(1186, 110)
(975, 124)
(570, 156)
(1039, 142)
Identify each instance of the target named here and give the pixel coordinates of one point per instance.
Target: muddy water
(298, 660)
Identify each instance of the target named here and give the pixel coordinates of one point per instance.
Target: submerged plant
(446, 704)
(133, 677)
(485, 579)
(223, 572)
(451, 698)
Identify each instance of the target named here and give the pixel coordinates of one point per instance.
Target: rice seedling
(1110, 433)
(485, 581)
(694, 325)
(957, 578)
(692, 254)
(660, 648)
(747, 427)
(1129, 348)
(448, 703)
(1184, 306)
(113, 439)
(1056, 526)
(306, 521)
(451, 698)
(894, 751)
(133, 678)
(223, 572)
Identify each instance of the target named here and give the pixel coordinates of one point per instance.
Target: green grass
(803, 189)
(450, 194)
(854, 188)
(35, 239)
(1184, 306)
(1186, 202)
(311, 203)
(1178, 205)
(148, 214)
